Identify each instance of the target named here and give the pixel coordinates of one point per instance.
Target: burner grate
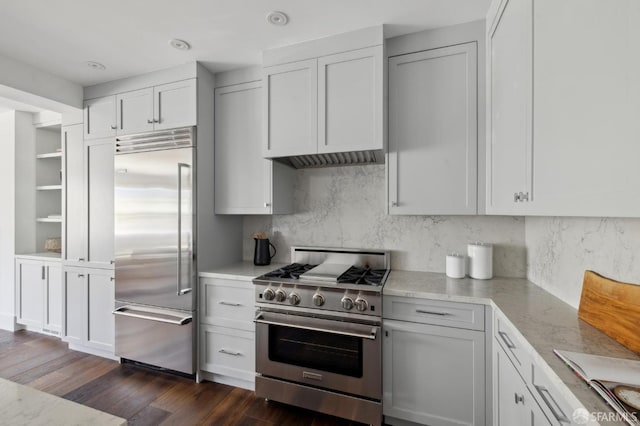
(290, 271)
(362, 276)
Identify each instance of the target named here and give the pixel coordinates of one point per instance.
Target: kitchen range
(318, 332)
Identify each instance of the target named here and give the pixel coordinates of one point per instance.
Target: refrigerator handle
(152, 315)
(180, 291)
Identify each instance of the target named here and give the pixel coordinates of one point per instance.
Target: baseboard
(8, 322)
(93, 351)
(226, 380)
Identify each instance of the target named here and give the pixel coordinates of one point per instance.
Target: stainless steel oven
(318, 326)
(326, 353)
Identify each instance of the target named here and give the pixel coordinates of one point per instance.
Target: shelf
(56, 154)
(49, 187)
(49, 219)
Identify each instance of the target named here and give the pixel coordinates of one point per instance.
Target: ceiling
(131, 37)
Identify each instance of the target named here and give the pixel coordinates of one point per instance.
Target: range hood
(354, 158)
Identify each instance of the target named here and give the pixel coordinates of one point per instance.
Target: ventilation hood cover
(355, 158)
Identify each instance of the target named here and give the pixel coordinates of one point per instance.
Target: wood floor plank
(143, 397)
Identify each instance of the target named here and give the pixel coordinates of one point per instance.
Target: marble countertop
(22, 405)
(242, 271)
(545, 321)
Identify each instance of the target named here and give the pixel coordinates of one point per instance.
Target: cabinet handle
(112, 261)
(519, 398)
(80, 275)
(150, 121)
(267, 204)
(552, 404)
(42, 268)
(222, 302)
(442, 314)
(516, 197)
(81, 259)
(226, 352)
(156, 121)
(112, 278)
(113, 127)
(507, 341)
(524, 196)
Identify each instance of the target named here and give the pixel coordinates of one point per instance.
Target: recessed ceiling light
(95, 65)
(176, 43)
(277, 18)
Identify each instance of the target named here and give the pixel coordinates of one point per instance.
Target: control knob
(361, 304)
(294, 299)
(347, 303)
(281, 296)
(318, 299)
(269, 294)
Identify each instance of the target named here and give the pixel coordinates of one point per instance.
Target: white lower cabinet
(513, 403)
(39, 295)
(432, 374)
(88, 295)
(227, 333)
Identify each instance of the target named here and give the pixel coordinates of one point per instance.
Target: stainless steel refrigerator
(155, 207)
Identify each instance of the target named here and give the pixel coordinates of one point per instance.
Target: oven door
(329, 354)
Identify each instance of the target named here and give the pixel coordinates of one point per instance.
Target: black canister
(262, 254)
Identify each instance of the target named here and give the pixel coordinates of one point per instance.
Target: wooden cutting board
(612, 307)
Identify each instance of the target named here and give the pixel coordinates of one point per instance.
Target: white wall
(7, 219)
(345, 207)
(560, 249)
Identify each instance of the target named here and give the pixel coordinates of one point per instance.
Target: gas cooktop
(360, 275)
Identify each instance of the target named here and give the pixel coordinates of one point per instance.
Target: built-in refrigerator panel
(154, 228)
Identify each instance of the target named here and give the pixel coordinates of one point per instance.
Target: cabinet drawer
(227, 303)
(513, 344)
(450, 314)
(557, 409)
(228, 352)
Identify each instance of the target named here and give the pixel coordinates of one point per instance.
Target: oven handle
(371, 336)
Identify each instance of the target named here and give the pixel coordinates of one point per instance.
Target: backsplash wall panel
(345, 207)
(559, 249)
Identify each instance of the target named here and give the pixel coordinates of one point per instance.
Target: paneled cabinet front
(245, 182)
(433, 136)
(39, 295)
(89, 302)
(329, 104)
(433, 374)
(89, 203)
(165, 106)
(227, 331)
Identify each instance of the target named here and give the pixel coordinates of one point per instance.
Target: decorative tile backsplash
(345, 207)
(559, 249)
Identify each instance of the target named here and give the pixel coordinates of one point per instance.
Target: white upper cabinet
(433, 143)
(175, 105)
(564, 105)
(135, 111)
(100, 117)
(290, 110)
(160, 107)
(509, 169)
(325, 96)
(350, 101)
(245, 182)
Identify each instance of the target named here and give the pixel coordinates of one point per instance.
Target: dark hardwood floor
(142, 396)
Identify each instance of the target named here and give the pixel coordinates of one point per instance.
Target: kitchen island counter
(545, 321)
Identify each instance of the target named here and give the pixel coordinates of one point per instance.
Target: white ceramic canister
(480, 260)
(456, 265)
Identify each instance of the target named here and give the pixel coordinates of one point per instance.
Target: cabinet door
(53, 305)
(134, 111)
(242, 175)
(100, 303)
(175, 105)
(74, 248)
(30, 278)
(75, 305)
(350, 109)
(290, 109)
(99, 195)
(100, 117)
(433, 374)
(510, 143)
(433, 131)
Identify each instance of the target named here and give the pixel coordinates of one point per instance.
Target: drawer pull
(507, 341)
(519, 399)
(222, 302)
(226, 352)
(552, 404)
(442, 314)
